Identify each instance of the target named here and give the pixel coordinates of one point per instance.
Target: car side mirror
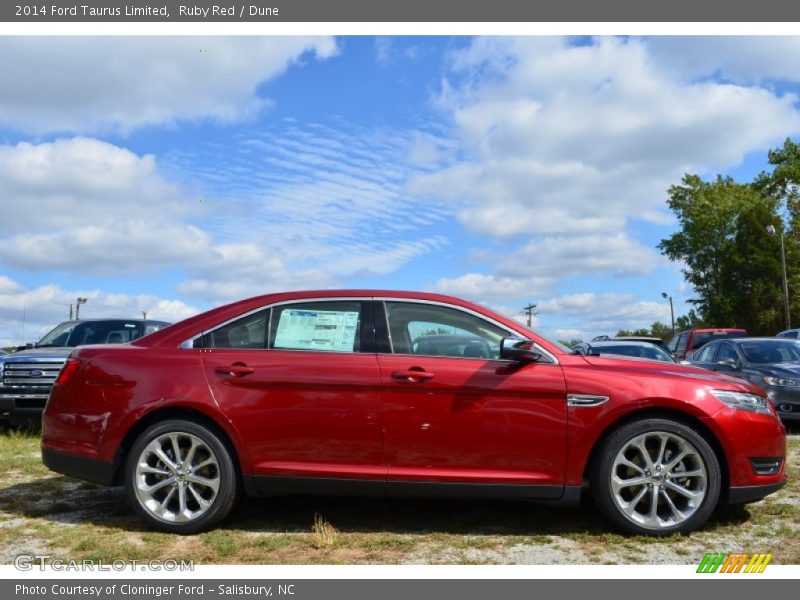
(728, 363)
(519, 349)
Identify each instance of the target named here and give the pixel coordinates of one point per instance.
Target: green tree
(730, 259)
(689, 321)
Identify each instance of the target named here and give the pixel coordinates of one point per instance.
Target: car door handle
(412, 375)
(235, 370)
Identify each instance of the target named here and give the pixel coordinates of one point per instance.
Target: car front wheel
(180, 477)
(656, 477)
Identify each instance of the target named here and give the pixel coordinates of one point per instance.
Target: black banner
(391, 589)
(463, 11)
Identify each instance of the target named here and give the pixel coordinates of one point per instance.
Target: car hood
(38, 354)
(653, 367)
(787, 369)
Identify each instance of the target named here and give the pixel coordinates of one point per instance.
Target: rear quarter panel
(116, 387)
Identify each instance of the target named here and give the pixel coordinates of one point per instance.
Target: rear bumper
(29, 405)
(752, 493)
(80, 467)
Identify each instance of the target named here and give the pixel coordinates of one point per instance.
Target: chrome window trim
(549, 355)
(188, 343)
(585, 400)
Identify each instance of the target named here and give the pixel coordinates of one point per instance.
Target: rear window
(701, 339)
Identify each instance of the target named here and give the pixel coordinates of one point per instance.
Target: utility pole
(772, 231)
(665, 295)
(530, 311)
(70, 312)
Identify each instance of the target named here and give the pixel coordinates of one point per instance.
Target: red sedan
(402, 393)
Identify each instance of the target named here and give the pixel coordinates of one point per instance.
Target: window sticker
(329, 330)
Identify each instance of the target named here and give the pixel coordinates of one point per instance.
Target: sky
(174, 174)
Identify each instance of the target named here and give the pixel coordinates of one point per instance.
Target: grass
(50, 514)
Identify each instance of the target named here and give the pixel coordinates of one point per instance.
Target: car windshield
(80, 333)
(635, 350)
(765, 352)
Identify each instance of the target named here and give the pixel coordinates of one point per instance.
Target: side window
(325, 326)
(680, 348)
(431, 330)
(706, 354)
(727, 351)
(673, 343)
(249, 332)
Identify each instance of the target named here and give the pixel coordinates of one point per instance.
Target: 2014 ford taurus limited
(348, 392)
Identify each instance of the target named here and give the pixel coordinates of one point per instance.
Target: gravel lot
(44, 513)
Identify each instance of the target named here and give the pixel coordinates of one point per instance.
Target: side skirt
(265, 485)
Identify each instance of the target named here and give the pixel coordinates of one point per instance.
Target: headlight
(742, 401)
(781, 382)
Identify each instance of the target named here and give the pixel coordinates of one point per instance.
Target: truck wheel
(656, 477)
(180, 477)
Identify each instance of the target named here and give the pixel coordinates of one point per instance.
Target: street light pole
(78, 303)
(665, 295)
(771, 229)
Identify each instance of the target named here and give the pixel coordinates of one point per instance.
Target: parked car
(631, 338)
(772, 363)
(327, 392)
(684, 343)
(789, 333)
(632, 349)
(28, 375)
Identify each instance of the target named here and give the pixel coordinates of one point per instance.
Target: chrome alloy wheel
(658, 480)
(177, 477)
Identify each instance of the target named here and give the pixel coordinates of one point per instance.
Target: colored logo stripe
(734, 563)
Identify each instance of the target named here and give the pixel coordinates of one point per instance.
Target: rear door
(457, 413)
(300, 382)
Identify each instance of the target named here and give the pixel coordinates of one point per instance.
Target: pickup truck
(26, 376)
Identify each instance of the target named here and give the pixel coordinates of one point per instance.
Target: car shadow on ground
(62, 499)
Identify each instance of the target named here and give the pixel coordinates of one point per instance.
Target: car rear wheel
(180, 477)
(656, 477)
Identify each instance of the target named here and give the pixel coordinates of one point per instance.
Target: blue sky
(174, 174)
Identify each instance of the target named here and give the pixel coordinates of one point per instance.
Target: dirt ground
(45, 513)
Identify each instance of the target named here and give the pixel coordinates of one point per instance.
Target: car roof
(607, 343)
(178, 332)
(713, 329)
(744, 340)
(95, 319)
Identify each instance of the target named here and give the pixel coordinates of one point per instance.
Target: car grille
(30, 374)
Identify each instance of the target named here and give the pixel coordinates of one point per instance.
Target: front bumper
(80, 467)
(752, 493)
(786, 401)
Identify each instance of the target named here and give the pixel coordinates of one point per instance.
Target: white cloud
(559, 138)
(87, 207)
(603, 313)
(742, 59)
(89, 84)
(491, 287)
(564, 256)
(27, 314)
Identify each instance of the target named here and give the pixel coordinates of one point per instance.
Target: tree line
(728, 244)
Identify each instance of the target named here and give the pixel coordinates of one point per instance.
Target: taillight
(67, 371)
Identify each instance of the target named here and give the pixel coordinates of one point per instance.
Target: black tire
(223, 471)
(609, 503)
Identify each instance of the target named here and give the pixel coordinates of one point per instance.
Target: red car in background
(684, 343)
(402, 393)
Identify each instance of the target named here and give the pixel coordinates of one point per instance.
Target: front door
(453, 412)
(297, 384)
